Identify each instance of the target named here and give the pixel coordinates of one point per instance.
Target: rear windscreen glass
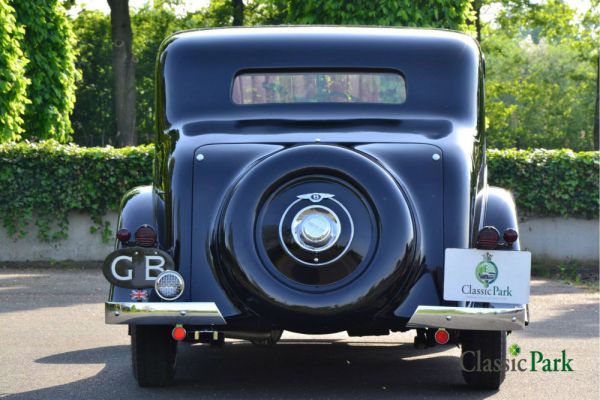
(319, 87)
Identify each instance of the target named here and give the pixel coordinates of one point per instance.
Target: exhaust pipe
(247, 335)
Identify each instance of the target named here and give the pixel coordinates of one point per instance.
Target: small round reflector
(488, 238)
(179, 333)
(169, 285)
(442, 336)
(145, 236)
(510, 235)
(123, 235)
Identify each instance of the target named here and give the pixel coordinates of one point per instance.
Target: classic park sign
(491, 276)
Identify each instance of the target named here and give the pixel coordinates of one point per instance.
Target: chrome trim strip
(141, 313)
(469, 318)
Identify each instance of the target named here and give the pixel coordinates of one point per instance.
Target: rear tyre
(483, 358)
(153, 354)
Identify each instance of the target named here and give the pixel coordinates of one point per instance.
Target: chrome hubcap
(316, 228)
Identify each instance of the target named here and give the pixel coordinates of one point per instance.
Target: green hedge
(42, 182)
(548, 182)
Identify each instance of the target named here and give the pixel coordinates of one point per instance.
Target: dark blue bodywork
(207, 213)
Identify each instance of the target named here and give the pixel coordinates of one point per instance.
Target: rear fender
(137, 209)
(497, 208)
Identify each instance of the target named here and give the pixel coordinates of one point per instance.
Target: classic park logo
(534, 361)
(486, 273)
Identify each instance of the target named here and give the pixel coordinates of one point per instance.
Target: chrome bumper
(163, 313)
(467, 318)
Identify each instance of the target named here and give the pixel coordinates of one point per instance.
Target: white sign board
(490, 276)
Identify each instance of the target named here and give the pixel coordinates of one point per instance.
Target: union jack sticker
(139, 295)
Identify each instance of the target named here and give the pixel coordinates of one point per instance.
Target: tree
(49, 45)
(450, 14)
(541, 81)
(553, 20)
(123, 64)
(226, 13)
(265, 12)
(238, 12)
(542, 59)
(477, 9)
(151, 25)
(591, 22)
(596, 111)
(93, 117)
(13, 83)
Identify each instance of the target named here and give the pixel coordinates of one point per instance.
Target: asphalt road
(54, 345)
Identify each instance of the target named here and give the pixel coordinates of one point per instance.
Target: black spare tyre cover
(316, 231)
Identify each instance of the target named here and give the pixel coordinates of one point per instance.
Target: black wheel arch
(495, 207)
(139, 206)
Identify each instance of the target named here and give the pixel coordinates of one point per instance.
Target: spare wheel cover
(269, 267)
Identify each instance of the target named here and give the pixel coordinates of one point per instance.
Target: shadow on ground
(292, 369)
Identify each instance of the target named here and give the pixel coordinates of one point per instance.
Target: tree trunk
(596, 130)
(238, 12)
(123, 72)
(477, 7)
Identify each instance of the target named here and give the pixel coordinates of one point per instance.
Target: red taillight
(488, 238)
(123, 235)
(510, 236)
(441, 336)
(179, 333)
(145, 236)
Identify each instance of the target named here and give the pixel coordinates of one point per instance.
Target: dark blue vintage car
(319, 180)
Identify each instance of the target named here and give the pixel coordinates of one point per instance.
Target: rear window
(319, 87)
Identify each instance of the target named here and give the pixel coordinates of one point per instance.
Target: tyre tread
(492, 345)
(153, 355)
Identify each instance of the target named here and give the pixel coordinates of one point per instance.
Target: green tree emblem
(486, 271)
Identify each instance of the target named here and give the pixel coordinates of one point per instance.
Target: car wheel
(270, 341)
(483, 358)
(153, 354)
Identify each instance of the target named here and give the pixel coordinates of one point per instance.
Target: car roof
(321, 33)
(197, 68)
